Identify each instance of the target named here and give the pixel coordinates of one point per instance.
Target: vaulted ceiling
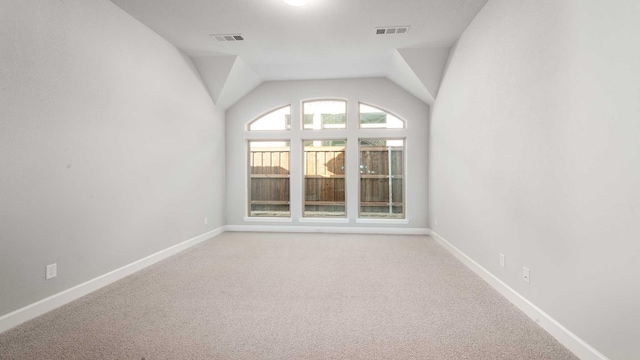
(325, 39)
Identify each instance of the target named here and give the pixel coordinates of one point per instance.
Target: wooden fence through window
(324, 186)
(381, 190)
(269, 171)
(324, 181)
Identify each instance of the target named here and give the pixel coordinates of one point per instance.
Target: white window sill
(268, 219)
(382, 221)
(324, 220)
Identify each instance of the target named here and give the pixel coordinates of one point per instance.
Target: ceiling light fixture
(296, 2)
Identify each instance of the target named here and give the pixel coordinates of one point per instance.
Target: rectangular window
(324, 178)
(269, 179)
(382, 178)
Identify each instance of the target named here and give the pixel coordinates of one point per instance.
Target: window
(382, 178)
(324, 114)
(279, 119)
(269, 178)
(324, 178)
(374, 118)
(321, 163)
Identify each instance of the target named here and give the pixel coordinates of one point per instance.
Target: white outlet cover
(52, 271)
(501, 260)
(526, 275)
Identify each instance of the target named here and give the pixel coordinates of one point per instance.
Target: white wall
(110, 147)
(535, 153)
(374, 91)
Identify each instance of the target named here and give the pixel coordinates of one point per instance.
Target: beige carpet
(291, 296)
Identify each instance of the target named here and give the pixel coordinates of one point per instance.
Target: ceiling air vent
(392, 30)
(227, 37)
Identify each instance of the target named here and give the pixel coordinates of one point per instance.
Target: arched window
(279, 119)
(324, 114)
(324, 178)
(374, 118)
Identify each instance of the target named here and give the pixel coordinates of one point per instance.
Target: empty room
(319, 179)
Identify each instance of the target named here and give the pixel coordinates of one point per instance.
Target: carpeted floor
(291, 296)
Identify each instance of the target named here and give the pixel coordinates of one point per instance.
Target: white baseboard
(36, 309)
(572, 342)
(563, 335)
(328, 229)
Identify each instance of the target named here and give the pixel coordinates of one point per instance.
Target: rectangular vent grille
(392, 30)
(227, 37)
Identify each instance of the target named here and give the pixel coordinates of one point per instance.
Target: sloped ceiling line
(428, 64)
(228, 78)
(417, 70)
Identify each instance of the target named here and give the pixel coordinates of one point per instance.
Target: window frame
(249, 180)
(352, 134)
(304, 181)
(389, 176)
(404, 122)
(259, 117)
(346, 114)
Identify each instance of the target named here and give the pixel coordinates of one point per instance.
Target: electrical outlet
(501, 260)
(206, 220)
(435, 221)
(51, 272)
(525, 275)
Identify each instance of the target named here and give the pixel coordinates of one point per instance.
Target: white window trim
(346, 190)
(247, 177)
(404, 184)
